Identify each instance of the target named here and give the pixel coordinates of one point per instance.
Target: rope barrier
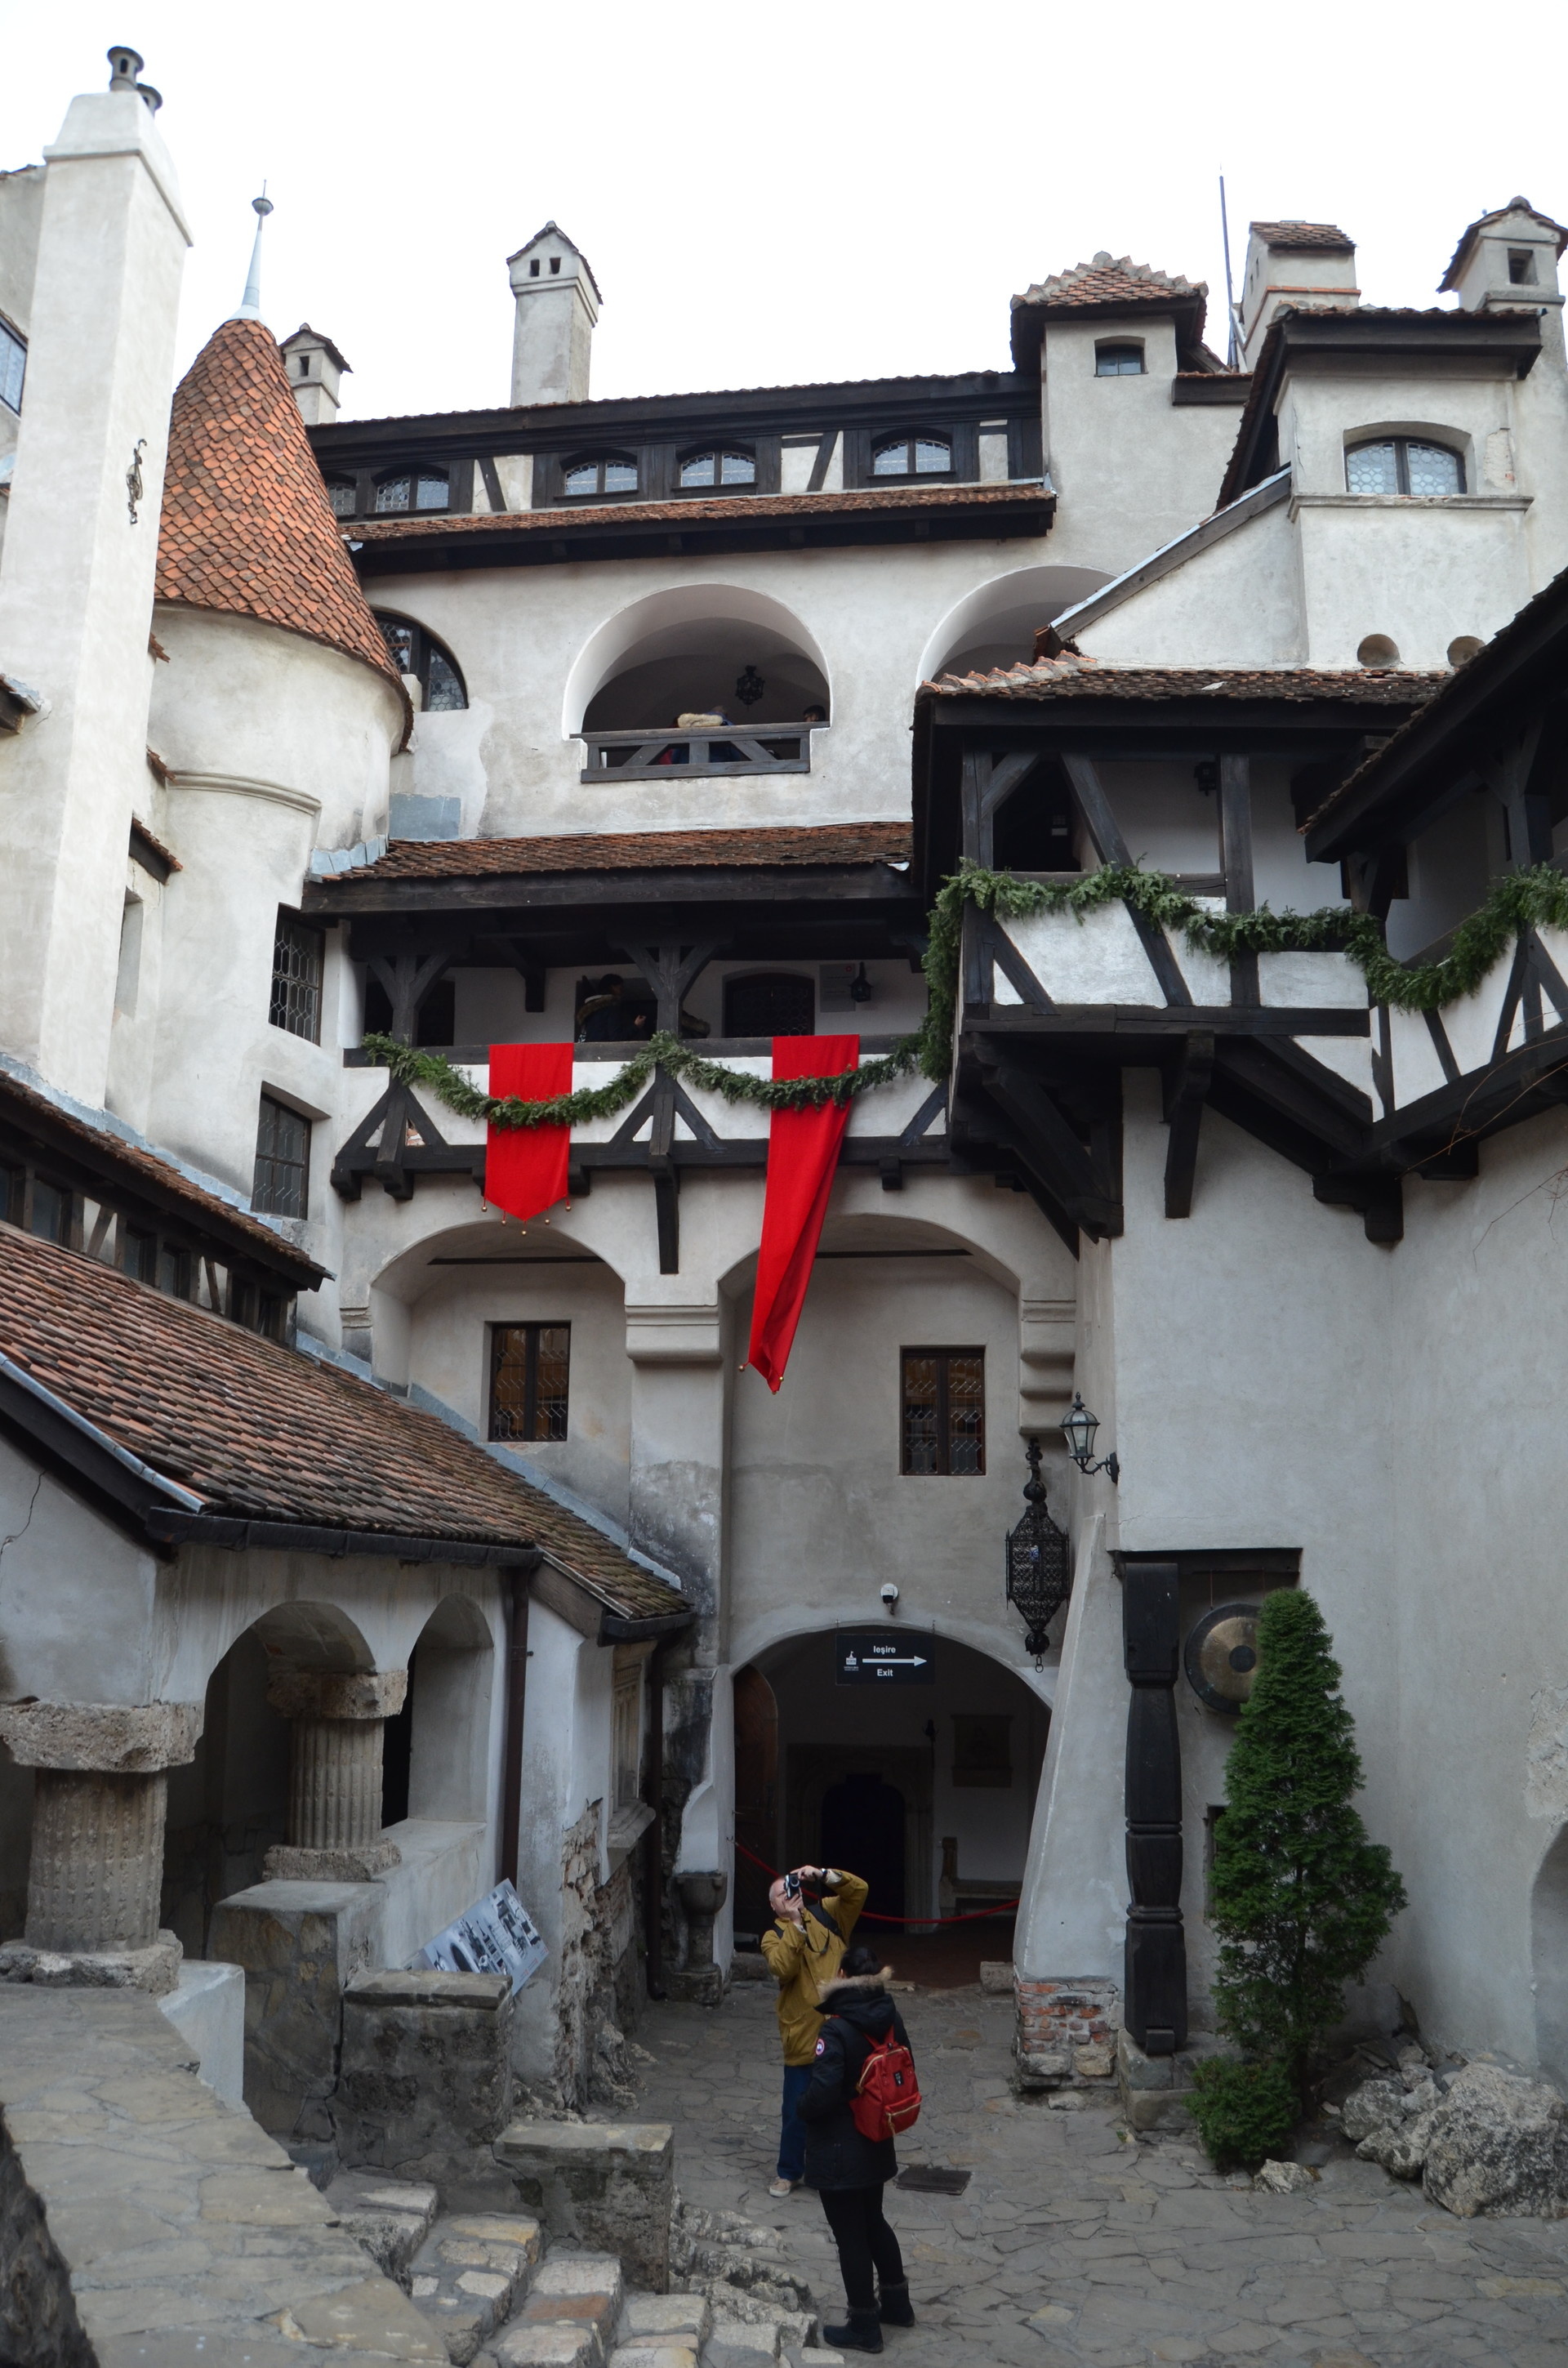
(973, 1916)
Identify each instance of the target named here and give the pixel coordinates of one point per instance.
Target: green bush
(1303, 1900)
(1244, 2112)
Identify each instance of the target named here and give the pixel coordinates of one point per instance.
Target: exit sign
(881, 1656)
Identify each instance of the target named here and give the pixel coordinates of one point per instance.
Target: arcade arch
(996, 624)
(687, 649)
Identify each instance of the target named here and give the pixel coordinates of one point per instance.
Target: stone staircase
(500, 2298)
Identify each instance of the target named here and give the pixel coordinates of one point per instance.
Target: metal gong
(1220, 1656)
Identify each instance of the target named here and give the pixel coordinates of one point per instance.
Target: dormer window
(13, 367)
(344, 496)
(610, 474)
(1521, 267)
(1402, 464)
(719, 469)
(913, 456)
(1124, 359)
(414, 489)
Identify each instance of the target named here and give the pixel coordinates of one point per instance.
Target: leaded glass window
(1402, 464)
(13, 367)
(719, 469)
(431, 491)
(529, 1372)
(393, 492)
(913, 456)
(769, 1003)
(417, 654)
(943, 1427)
(343, 494)
(296, 979)
(281, 1188)
(1125, 360)
(610, 473)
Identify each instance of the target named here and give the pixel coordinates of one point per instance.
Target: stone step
(678, 2318)
(560, 2344)
(574, 2305)
(741, 2344)
(469, 2275)
(390, 2218)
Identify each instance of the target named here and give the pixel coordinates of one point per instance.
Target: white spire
(250, 303)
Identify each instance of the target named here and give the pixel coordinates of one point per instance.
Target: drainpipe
(654, 1842)
(517, 1582)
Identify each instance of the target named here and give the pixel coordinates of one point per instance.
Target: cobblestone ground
(1075, 2243)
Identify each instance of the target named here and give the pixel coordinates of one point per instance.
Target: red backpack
(887, 2095)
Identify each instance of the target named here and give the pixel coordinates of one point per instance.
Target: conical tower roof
(247, 530)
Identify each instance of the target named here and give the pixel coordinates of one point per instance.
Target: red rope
(974, 1915)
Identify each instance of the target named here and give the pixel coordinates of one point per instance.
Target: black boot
(862, 2332)
(896, 2308)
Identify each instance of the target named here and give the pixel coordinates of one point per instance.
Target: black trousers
(865, 2243)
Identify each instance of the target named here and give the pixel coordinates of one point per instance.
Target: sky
(839, 189)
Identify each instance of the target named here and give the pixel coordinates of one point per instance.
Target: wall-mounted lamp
(860, 988)
(1078, 1427)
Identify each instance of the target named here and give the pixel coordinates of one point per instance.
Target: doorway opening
(925, 1790)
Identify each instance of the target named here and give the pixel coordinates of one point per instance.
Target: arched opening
(697, 649)
(1549, 1949)
(436, 1748)
(921, 1780)
(229, 1805)
(996, 624)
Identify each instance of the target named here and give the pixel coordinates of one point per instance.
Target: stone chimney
(316, 371)
(1307, 265)
(76, 580)
(558, 302)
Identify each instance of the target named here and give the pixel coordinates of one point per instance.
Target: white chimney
(1508, 260)
(558, 303)
(1305, 264)
(76, 579)
(316, 371)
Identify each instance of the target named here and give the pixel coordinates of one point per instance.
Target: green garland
(662, 1051)
(1536, 898)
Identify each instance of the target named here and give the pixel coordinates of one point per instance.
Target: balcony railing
(727, 748)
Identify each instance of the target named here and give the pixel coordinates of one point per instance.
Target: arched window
(414, 489)
(415, 652)
(1402, 464)
(719, 469)
(610, 472)
(913, 456)
(1122, 361)
(344, 496)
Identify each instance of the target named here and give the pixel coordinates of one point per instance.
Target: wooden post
(1154, 2002)
(1235, 855)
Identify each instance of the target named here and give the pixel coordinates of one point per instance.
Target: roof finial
(250, 303)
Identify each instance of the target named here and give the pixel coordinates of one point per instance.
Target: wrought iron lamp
(1038, 1568)
(860, 988)
(1078, 1427)
(750, 687)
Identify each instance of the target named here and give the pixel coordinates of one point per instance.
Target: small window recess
(13, 367)
(281, 1187)
(1521, 267)
(529, 1381)
(555, 266)
(1404, 465)
(298, 952)
(533, 269)
(1122, 357)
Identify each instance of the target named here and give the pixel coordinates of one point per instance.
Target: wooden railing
(726, 748)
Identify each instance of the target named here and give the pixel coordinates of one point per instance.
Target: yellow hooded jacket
(802, 1957)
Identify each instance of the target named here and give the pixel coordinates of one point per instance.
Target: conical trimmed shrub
(1303, 1900)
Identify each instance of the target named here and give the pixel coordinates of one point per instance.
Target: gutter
(240, 1536)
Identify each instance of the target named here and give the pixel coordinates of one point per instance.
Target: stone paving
(1076, 2242)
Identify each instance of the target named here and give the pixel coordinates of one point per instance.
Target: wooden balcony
(727, 750)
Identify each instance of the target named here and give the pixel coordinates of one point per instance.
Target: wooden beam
(1187, 1090)
(671, 971)
(1051, 1145)
(1111, 848)
(1236, 860)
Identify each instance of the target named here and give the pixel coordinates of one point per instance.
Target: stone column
(334, 1773)
(101, 1790)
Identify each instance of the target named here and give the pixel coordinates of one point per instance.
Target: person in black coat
(848, 2170)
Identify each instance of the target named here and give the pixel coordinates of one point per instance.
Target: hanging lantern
(1038, 1566)
(750, 687)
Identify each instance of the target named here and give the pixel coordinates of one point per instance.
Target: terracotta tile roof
(1109, 280)
(1472, 230)
(1072, 677)
(742, 506)
(263, 1433)
(464, 858)
(1302, 238)
(136, 1170)
(247, 529)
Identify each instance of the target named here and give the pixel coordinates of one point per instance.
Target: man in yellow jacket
(803, 1948)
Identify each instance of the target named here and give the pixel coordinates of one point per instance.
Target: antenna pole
(1235, 350)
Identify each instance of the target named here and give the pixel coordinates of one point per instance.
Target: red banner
(802, 1152)
(525, 1167)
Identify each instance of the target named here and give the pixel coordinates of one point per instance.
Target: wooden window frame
(269, 1206)
(942, 1359)
(960, 435)
(625, 458)
(533, 1328)
(413, 471)
(13, 337)
(1106, 346)
(753, 977)
(426, 643)
(291, 930)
